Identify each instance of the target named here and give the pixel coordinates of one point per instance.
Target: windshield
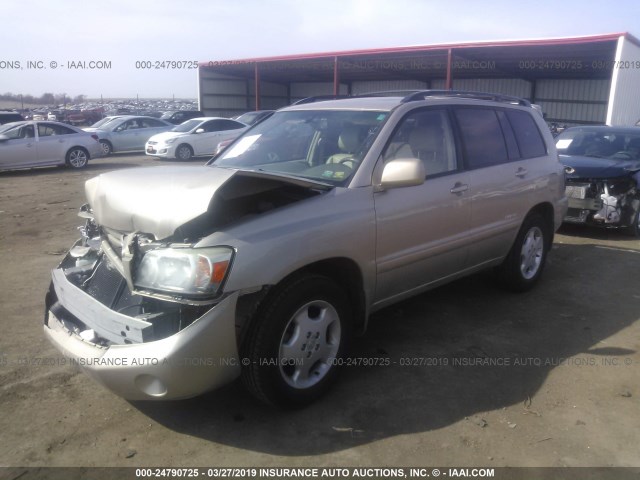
(599, 143)
(8, 126)
(104, 121)
(166, 115)
(186, 126)
(322, 145)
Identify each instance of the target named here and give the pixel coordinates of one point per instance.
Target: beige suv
(264, 262)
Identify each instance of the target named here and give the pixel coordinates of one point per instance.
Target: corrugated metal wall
(358, 88)
(507, 86)
(624, 101)
(300, 90)
(573, 101)
(221, 95)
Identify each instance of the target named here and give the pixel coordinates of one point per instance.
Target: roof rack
(496, 97)
(319, 98)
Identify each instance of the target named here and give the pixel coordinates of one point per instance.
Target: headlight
(188, 271)
(170, 140)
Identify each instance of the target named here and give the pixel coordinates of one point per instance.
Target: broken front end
(610, 202)
(105, 314)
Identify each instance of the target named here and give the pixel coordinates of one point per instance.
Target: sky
(43, 43)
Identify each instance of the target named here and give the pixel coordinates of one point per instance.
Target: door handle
(60, 141)
(521, 173)
(459, 188)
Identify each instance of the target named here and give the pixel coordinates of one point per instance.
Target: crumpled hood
(592, 167)
(154, 200)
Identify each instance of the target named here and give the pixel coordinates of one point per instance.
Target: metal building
(580, 80)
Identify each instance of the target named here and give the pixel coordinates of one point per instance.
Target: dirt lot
(547, 378)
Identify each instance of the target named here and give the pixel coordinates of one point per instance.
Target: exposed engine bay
(106, 262)
(609, 202)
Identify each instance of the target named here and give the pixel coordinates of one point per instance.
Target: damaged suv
(602, 176)
(263, 263)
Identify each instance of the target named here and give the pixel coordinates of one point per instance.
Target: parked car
(277, 260)
(128, 133)
(251, 118)
(195, 137)
(35, 144)
(84, 117)
(602, 176)
(10, 117)
(97, 125)
(180, 116)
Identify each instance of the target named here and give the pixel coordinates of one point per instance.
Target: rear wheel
(77, 157)
(296, 342)
(184, 152)
(524, 264)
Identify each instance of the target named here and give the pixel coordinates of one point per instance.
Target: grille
(106, 283)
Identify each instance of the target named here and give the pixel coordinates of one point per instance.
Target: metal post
(256, 75)
(336, 78)
(448, 82)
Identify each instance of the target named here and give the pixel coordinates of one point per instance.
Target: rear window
(482, 137)
(527, 134)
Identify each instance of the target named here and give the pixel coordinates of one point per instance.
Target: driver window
(425, 135)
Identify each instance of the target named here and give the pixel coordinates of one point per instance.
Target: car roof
(600, 128)
(354, 103)
(210, 118)
(387, 101)
(29, 122)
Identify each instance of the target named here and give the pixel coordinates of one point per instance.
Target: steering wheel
(623, 155)
(273, 157)
(345, 160)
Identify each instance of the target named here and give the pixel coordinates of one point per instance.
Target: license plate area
(576, 191)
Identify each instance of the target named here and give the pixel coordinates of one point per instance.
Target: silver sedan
(39, 143)
(129, 133)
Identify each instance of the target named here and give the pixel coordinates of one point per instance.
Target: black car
(602, 175)
(251, 118)
(9, 117)
(178, 116)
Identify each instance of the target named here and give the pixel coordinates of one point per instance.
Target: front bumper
(198, 358)
(160, 150)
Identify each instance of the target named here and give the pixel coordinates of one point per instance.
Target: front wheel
(297, 341)
(184, 152)
(107, 149)
(77, 157)
(524, 264)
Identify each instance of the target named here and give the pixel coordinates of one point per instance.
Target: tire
(634, 227)
(296, 341)
(525, 262)
(184, 152)
(107, 148)
(77, 158)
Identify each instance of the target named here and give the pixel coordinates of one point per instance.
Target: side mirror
(200, 130)
(402, 172)
(4, 138)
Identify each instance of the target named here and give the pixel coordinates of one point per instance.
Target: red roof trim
(443, 46)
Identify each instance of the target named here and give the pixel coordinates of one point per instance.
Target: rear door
(422, 230)
(501, 183)
(53, 142)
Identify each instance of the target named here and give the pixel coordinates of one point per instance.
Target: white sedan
(195, 137)
(35, 144)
